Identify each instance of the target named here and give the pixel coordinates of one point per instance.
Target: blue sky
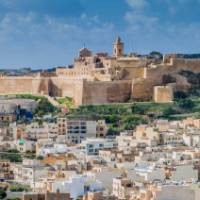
(48, 33)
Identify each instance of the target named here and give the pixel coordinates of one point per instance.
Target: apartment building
(92, 146)
(79, 130)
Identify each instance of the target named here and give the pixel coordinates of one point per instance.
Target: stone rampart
(22, 85)
(139, 86)
(99, 92)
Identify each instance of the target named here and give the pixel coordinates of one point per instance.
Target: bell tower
(118, 48)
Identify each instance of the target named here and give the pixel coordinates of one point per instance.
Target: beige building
(46, 196)
(147, 135)
(5, 170)
(168, 138)
(102, 129)
(122, 188)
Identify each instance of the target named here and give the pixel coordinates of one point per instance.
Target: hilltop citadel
(100, 78)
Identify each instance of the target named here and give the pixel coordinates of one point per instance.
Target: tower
(118, 48)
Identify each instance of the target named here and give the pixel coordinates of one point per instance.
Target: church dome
(84, 52)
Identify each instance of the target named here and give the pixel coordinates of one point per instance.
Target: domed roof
(84, 52)
(21, 142)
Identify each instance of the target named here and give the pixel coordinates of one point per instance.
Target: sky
(49, 33)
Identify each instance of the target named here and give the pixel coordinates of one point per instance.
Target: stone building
(8, 112)
(5, 170)
(47, 196)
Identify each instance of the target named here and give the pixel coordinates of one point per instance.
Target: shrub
(168, 111)
(44, 107)
(19, 188)
(186, 104)
(2, 193)
(180, 95)
(13, 155)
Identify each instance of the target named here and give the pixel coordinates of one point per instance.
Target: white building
(78, 185)
(184, 173)
(144, 171)
(52, 149)
(25, 145)
(191, 140)
(41, 131)
(93, 145)
(29, 172)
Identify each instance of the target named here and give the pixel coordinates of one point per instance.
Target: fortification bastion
(100, 78)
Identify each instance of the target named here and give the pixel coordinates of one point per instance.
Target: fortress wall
(187, 64)
(60, 86)
(13, 85)
(54, 86)
(63, 87)
(142, 89)
(155, 74)
(95, 92)
(136, 72)
(124, 63)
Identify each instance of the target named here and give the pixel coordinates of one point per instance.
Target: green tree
(138, 109)
(19, 188)
(180, 95)
(168, 111)
(44, 107)
(156, 54)
(186, 104)
(2, 193)
(13, 155)
(113, 131)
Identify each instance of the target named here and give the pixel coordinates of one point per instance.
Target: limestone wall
(163, 94)
(54, 86)
(142, 89)
(130, 62)
(154, 74)
(175, 66)
(14, 85)
(134, 72)
(96, 92)
(187, 64)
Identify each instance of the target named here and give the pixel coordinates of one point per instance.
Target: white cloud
(42, 40)
(137, 16)
(137, 4)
